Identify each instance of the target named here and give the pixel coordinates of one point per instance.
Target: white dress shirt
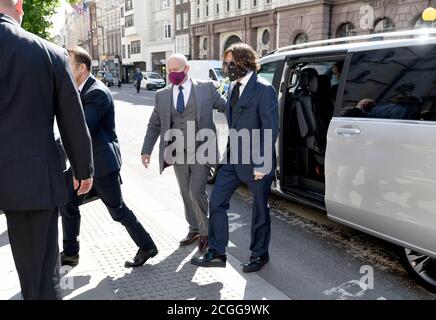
(187, 86)
(80, 88)
(244, 82)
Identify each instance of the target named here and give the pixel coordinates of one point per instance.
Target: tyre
(421, 267)
(213, 172)
(149, 87)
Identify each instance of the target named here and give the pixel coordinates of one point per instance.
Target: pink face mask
(177, 77)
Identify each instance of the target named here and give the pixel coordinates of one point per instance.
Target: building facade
(182, 21)
(269, 24)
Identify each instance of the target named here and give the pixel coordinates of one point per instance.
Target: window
(217, 7)
(268, 70)
(384, 25)
(266, 37)
(198, 9)
(206, 9)
(167, 31)
(396, 83)
(301, 38)
(130, 21)
(122, 12)
(135, 47)
(124, 51)
(123, 31)
(129, 5)
(239, 4)
(267, 1)
(345, 30)
(254, 3)
(165, 4)
(185, 20)
(128, 51)
(227, 5)
(178, 22)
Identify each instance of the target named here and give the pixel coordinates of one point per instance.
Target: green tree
(38, 14)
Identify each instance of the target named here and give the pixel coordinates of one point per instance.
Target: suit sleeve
(71, 123)
(96, 104)
(219, 102)
(269, 117)
(153, 130)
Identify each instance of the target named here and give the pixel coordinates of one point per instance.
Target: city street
(311, 257)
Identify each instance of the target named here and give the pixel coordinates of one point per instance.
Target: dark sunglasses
(229, 64)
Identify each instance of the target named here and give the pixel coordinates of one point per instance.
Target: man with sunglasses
(252, 107)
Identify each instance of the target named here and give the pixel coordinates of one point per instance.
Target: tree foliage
(38, 14)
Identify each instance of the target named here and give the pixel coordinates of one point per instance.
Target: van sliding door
(381, 147)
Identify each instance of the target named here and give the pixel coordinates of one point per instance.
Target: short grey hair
(177, 56)
(8, 3)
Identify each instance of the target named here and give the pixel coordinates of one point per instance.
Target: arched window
(301, 38)
(384, 25)
(346, 29)
(230, 41)
(266, 37)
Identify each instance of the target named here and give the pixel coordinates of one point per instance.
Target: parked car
(358, 121)
(207, 70)
(108, 78)
(152, 81)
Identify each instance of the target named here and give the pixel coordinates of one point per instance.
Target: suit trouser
(192, 180)
(33, 236)
(226, 184)
(108, 189)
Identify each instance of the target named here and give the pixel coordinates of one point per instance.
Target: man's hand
(146, 160)
(258, 175)
(85, 186)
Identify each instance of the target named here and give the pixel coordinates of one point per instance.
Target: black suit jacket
(99, 108)
(36, 85)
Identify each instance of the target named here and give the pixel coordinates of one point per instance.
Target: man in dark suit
(36, 85)
(98, 105)
(252, 109)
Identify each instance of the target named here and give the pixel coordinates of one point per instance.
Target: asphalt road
(311, 257)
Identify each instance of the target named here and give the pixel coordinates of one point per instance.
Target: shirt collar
(80, 88)
(245, 79)
(186, 85)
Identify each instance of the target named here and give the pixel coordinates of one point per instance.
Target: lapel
(243, 102)
(8, 19)
(167, 103)
(91, 80)
(197, 98)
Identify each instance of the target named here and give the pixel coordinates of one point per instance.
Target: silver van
(358, 136)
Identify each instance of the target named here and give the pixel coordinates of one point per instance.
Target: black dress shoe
(141, 257)
(71, 261)
(190, 239)
(255, 264)
(210, 260)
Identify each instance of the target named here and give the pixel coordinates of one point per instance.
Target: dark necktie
(235, 95)
(181, 101)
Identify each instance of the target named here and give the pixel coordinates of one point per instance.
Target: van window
(395, 83)
(268, 70)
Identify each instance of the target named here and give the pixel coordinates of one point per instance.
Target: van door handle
(347, 131)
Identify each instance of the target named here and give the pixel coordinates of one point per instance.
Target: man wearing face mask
(186, 102)
(252, 107)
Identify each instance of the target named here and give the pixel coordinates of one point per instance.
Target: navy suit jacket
(36, 85)
(257, 108)
(99, 108)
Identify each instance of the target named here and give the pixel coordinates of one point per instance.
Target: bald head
(12, 8)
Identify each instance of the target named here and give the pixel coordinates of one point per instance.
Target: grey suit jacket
(207, 98)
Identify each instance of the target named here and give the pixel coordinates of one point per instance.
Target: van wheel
(148, 87)
(213, 172)
(421, 267)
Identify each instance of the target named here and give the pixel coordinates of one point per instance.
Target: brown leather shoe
(202, 244)
(190, 239)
